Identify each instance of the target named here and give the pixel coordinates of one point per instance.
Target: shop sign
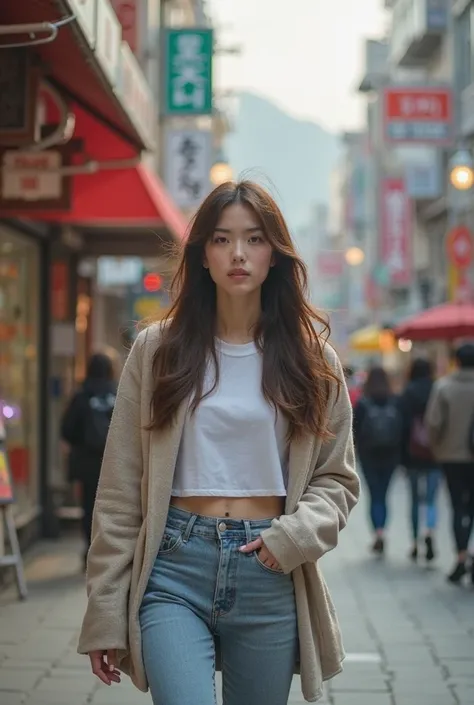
(31, 180)
(136, 95)
(396, 232)
(6, 483)
(187, 166)
(59, 291)
(459, 247)
(418, 115)
(188, 72)
(19, 82)
(85, 11)
(108, 40)
(148, 307)
(118, 271)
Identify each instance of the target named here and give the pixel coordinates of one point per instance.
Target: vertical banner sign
(396, 231)
(187, 166)
(417, 115)
(188, 72)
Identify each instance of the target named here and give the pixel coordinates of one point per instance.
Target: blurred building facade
(83, 138)
(400, 207)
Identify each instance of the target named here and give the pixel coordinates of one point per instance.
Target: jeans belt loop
(189, 528)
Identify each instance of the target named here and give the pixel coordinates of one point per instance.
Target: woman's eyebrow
(227, 231)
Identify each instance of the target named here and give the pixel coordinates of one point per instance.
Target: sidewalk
(408, 634)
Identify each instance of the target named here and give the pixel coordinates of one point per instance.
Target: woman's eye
(256, 239)
(219, 239)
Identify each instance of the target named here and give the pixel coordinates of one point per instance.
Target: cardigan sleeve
(117, 518)
(332, 492)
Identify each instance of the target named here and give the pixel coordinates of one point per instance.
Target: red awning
(445, 322)
(131, 197)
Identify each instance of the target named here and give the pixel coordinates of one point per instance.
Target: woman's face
(238, 255)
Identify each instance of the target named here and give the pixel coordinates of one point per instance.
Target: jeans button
(222, 526)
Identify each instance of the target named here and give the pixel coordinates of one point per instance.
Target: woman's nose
(238, 254)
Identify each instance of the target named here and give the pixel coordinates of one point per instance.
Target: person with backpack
(450, 421)
(416, 454)
(377, 436)
(84, 427)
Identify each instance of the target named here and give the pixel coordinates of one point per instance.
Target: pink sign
(396, 231)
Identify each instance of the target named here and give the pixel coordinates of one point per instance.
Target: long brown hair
(296, 376)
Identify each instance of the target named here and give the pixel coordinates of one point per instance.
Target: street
(409, 635)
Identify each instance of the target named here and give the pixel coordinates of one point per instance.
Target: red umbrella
(445, 322)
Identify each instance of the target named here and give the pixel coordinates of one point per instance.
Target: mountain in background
(293, 158)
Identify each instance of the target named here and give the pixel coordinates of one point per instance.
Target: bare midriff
(250, 508)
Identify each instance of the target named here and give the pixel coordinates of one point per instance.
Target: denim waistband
(190, 523)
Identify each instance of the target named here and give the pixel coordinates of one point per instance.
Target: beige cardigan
(132, 505)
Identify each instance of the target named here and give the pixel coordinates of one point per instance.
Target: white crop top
(234, 445)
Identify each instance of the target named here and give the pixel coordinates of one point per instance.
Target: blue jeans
(204, 593)
(424, 488)
(378, 479)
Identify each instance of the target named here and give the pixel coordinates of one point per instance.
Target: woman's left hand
(264, 554)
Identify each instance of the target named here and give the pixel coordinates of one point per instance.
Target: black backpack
(381, 429)
(97, 421)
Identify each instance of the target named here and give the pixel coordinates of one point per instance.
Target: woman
(450, 422)
(377, 433)
(229, 471)
(84, 427)
(416, 455)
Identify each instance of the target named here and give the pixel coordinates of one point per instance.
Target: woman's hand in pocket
(264, 555)
(104, 665)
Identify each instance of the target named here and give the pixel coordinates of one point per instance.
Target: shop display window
(19, 381)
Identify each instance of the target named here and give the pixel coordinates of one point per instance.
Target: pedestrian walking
(450, 421)
(417, 457)
(228, 473)
(377, 434)
(84, 427)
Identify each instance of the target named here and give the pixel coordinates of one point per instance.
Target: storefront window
(19, 289)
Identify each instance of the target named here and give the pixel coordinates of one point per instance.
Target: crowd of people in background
(428, 430)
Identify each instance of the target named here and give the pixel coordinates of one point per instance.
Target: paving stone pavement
(409, 635)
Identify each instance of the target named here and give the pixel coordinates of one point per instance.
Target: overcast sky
(306, 55)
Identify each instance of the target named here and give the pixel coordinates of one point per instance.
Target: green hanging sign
(188, 72)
